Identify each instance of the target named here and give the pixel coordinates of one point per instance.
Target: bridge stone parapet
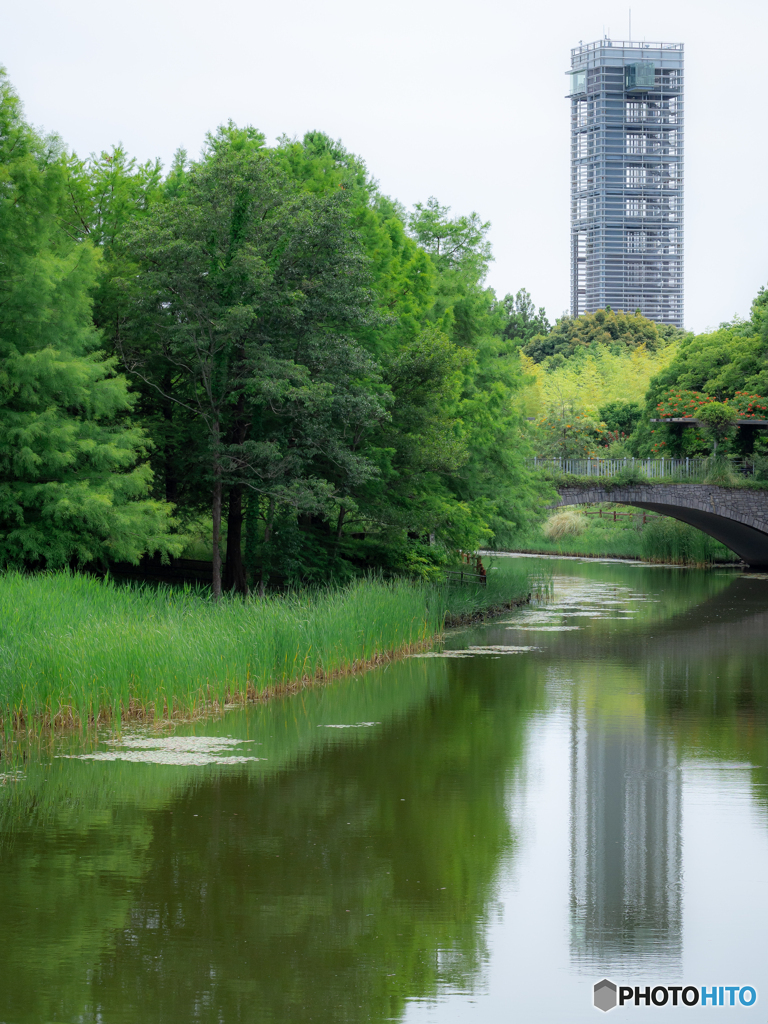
(736, 517)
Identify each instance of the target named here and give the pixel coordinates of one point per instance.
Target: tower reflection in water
(625, 839)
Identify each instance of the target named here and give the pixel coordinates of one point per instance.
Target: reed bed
(660, 540)
(667, 540)
(74, 649)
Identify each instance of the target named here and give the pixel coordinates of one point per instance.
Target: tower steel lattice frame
(627, 122)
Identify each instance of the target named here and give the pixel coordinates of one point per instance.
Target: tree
(523, 321)
(717, 421)
(459, 243)
(450, 454)
(73, 476)
(720, 366)
(621, 417)
(616, 331)
(570, 435)
(249, 289)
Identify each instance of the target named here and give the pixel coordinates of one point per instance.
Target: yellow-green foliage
(590, 380)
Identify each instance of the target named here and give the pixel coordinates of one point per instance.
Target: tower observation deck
(627, 178)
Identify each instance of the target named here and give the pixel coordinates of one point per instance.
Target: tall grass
(73, 648)
(507, 582)
(667, 540)
(567, 523)
(659, 540)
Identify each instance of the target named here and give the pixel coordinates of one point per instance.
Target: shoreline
(629, 559)
(66, 719)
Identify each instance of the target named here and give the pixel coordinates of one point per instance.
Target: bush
(621, 417)
(569, 523)
(626, 477)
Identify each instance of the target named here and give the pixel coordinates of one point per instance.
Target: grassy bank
(77, 649)
(659, 540)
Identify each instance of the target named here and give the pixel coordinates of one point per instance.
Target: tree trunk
(234, 569)
(340, 523)
(216, 515)
(265, 546)
(339, 529)
(171, 481)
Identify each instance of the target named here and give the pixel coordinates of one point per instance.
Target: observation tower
(627, 178)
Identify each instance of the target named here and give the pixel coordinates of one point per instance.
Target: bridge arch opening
(729, 525)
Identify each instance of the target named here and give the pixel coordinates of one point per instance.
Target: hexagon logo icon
(605, 995)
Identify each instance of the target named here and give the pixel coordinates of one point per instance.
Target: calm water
(478, 836)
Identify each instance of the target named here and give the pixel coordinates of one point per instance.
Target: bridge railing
(654, 469)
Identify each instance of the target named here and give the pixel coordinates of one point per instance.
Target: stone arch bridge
(736, 517)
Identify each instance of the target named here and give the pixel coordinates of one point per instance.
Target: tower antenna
(630, 24)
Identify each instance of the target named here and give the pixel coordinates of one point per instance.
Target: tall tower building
(627, 178)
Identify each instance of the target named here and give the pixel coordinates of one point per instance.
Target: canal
(576, 791)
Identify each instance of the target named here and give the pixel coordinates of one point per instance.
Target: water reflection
(358, 870)
(625, 840)
(335, 887)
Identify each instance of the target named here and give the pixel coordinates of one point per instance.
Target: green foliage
(565, 523)
(724, 366)
(506, 584)
(593, 379)
(722, 363)
(749, 406)
(620, 417)
(720, 472)
(450, 453)
(73, 481)
(616, 331)
(570, 435)
(78, 647)
(660, 540)
(322, 371)
(457, 244)
(523, 321)
(249, 289)
(667, 540)
(627, 477)
(716, 419)
(680, 402)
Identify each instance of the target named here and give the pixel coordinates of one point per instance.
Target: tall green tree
(249, 291)
(74, 480)
(524, 321)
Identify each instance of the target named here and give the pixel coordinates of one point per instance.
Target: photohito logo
(606, 995)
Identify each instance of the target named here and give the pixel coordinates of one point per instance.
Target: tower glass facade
(627, 178)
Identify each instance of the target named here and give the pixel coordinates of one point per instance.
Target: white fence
(652, 468)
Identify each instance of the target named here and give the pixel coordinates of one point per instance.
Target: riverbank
(658, 540)
(79, 650)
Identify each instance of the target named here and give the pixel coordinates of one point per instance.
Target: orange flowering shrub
(749, 406)
(677, 402)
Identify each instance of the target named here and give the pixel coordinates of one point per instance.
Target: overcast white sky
(461, 101)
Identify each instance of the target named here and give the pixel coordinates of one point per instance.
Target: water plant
(633, 535)
(667, 540)
(78, 649)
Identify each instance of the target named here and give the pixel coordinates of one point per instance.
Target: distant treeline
(610, 384)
